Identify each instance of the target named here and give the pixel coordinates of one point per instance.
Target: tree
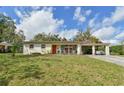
(46, 37)
(8, 33)
(63, 39)
(18, 38)
(117, 49)
(7, 27)
(86, 37)
(95, 40)
(79, 36)
(39, 37)
(122, 46)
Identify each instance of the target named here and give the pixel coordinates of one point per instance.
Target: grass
(120, 55)
(58, 70)
(117, 55)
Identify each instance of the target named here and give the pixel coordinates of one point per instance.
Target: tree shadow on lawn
(34, 55)
(56, 60)
(44, 57)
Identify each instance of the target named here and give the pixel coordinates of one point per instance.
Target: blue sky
(106, 22)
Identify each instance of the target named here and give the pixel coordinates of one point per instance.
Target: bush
(117, 50)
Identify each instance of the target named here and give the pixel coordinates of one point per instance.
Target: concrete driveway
(113, 59)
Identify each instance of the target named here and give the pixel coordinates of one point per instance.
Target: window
(31, 46)
(43, 46)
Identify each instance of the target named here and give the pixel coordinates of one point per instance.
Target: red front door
(53, 49)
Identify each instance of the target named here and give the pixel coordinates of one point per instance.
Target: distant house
(5, 47)
(62, 47)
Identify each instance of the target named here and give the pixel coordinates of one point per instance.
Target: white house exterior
(36, 49)
(61, 47)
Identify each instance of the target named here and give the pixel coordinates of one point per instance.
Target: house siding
(26, 49)
(36, 49)
(68, 49)
(47, 49)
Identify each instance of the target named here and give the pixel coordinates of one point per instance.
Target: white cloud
(109, 34)
(92, 22)
(42, 21)
(69, 34)
(49, 9)
(105, 33)
(107, 21)
(120, 35)
(112, 41)
(118, 15)
(67, 7)
(36, 7)
(5, 13)
(78, 15)
(88, 12)
(15, 20)
(18, 13)
(38, 22)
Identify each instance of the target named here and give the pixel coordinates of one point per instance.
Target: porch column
(93, 50)
(6, 48)
(60, 52)
(107, 51)
(78, 49)
(68, 50)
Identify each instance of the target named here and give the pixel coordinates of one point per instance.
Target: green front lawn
(58, 70)
(120, 55)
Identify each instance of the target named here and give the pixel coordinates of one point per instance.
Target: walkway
(113, 59)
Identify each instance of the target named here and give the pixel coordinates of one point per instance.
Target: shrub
(117, 49)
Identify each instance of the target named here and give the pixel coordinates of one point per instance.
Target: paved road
(113, 59)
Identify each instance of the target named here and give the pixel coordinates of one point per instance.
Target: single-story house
(5, 47)
(62, 47)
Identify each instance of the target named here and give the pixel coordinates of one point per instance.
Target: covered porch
(81, 49)
(93, 48)
(64, 49)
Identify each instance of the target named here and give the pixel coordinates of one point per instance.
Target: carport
(92, 47)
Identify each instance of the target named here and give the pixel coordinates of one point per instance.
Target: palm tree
(86, 37)
(79, 36)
